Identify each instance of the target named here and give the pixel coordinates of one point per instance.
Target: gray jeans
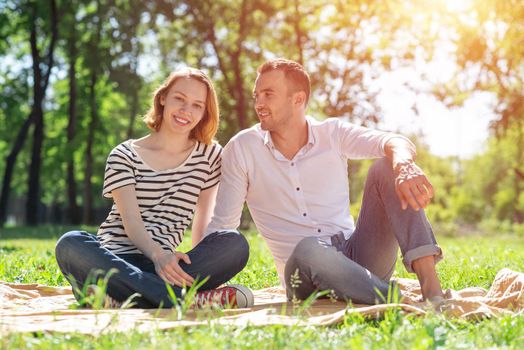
(359, 269)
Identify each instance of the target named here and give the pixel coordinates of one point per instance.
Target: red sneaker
(233, 296)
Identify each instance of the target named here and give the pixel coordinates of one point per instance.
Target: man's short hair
(293, 71)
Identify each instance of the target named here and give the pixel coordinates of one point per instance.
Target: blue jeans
(219, 257)
(359, 268)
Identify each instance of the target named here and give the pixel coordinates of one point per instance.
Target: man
(292, 171)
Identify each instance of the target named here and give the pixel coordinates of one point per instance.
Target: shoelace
(221, 297)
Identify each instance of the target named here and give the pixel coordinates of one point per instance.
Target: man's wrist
(398, 148)
(400, 163)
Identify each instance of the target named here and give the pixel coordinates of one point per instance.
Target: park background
(76, 77)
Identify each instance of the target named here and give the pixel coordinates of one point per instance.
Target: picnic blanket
(34, 307)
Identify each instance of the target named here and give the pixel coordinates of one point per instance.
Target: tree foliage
(77, 87)
(489, 54)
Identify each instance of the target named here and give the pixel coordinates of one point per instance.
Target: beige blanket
(33, 307)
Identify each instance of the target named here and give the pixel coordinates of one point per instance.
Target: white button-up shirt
(293, 199)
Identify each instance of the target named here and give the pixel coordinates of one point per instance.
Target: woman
(157, 183)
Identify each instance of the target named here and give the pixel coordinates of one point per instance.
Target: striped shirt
(166, 198)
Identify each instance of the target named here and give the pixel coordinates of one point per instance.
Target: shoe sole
(244, 296)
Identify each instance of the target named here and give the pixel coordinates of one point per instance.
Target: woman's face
(184, 105)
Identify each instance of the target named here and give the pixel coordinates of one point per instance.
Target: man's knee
(381, 167)
(308, 247)
(306, 252)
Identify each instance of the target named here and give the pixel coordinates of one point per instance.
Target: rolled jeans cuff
(420, 252)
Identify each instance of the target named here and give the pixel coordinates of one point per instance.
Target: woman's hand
(167, 267)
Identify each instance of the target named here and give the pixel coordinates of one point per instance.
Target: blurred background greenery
(76, 77)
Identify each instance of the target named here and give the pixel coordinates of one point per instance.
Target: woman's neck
(170, 143)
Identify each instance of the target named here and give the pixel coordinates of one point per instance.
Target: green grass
(26, 255)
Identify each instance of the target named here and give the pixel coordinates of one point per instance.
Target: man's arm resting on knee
(411, 184)
(414, 188)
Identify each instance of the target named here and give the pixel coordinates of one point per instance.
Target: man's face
(273, 100)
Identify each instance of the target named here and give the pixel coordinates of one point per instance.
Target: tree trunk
(33, 197)
(237, 69)
(88, 193)
(93, 123)
(517, 181)
(133, 113)
(31, 211)
(228, 60)
(41, 80)
(10, 165)
(298, 32)
(73, 210)
(240, 105)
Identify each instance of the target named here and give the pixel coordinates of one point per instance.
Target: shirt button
(298, 188)
(319, 230)
(304, 214)
(292, 164)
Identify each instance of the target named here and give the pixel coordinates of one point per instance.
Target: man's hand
(167, 267)
(412, 185)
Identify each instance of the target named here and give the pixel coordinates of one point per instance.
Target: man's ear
(299, 98)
